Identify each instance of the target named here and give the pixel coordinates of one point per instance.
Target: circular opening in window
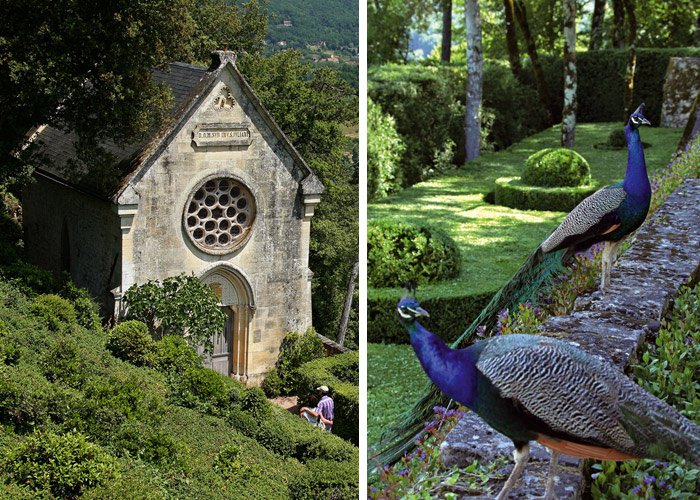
(219, 215)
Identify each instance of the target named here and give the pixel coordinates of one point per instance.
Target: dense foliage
(180, 305)
(296, 349)
(77, 420)
(399, 252)
(384, 151)
(556, 167)
(668, 369)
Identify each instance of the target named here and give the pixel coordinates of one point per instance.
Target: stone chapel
(221, 193)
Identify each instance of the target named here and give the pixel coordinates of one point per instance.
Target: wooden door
(223, 342)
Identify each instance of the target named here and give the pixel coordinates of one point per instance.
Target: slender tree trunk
(568, 115)
(343, 327)
(512, 40)
(597, 25)
(618, 33)
(631, 57)
(545, 102)
(475, 61)
(445, 53)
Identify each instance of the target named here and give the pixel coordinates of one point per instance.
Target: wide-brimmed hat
(323, 388)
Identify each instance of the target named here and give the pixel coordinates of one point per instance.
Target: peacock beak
(419, 311)
(644, 121)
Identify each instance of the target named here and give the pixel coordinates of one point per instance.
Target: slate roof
(189, 84)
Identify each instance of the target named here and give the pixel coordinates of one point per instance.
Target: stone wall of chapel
(92, 237)
(275, 257)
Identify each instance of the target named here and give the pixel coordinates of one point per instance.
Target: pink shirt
(325, 408)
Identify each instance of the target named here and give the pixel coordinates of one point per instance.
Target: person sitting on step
(322, 414)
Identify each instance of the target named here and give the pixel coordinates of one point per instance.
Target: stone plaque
(221, 134)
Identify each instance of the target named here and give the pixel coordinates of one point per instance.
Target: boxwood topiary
(398, 252)
(130, 341)
(512, 192)
(556, 167)
(56, 312)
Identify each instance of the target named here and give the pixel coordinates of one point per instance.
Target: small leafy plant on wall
(180, 305)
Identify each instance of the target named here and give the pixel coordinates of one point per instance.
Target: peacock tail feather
(533, 276)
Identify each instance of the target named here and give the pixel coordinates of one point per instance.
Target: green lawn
(395, 380)
(495, 240)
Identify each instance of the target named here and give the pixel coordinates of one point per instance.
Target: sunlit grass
(495, 240)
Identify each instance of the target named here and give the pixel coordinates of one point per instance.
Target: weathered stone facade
(222, 194)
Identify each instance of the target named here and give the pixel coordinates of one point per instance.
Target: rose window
(219, 215)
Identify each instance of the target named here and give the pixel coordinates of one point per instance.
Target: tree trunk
(597, 25)
(445, 52)
(521, 16)
(475, 61)
(618, 33)
(568, 115)
(631, 57)
(343, 327)
(512, 40)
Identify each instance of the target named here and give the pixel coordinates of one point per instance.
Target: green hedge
(427, 105)
(334, 371)
(511, 192)
(399, 251)
(449, 316)
(556, 167)
(325, 480)
(384, 152)
(601, 82)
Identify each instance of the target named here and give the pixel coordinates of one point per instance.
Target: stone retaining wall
(664, 256)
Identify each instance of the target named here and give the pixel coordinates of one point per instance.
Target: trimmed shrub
(276, 437)
(255, 403)
(202, 389)
(66, 465)
(617, 139)
(64, 362)
(243, 422)
(323, 479)
(56, 312)
(556, 167)
(297, 349)
(233, 465)
(86, 310)
(398, 252)
(511, 192)
(174, 355)
(345, 394)
(449, 316)
(130, 341)
(140, 440)
(384, 151)
(272, 385)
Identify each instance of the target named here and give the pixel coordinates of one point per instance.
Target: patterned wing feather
(593, 216)
(573, 395)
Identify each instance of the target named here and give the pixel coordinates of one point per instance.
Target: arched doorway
(230, 355)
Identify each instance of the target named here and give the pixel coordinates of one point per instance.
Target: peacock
(608, 215)
(533, 388)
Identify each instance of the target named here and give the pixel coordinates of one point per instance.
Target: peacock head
(408, 310)
(637, 118)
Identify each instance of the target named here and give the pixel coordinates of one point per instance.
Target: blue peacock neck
(451, 370)
(636, 181)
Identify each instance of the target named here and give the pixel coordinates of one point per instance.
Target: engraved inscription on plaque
(221, 134)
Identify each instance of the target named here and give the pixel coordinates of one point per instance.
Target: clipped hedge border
(346, 396)
(449, 316)
(512, 192)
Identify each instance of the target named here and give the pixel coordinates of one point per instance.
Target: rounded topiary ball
(617, 139)
(556, 167)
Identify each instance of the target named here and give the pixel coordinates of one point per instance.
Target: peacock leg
(520, 455)
(609, 254)
(553, 463)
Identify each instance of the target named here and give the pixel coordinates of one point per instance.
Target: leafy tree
(86, 67)
(180, 305)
